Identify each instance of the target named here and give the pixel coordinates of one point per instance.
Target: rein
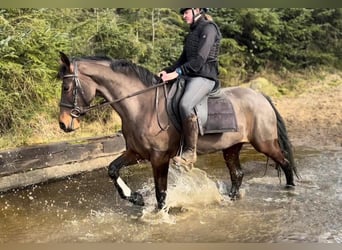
(124, 97)
(77, 111)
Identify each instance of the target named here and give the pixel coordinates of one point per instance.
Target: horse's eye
(66, 87)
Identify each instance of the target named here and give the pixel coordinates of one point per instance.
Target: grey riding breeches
(196, 89)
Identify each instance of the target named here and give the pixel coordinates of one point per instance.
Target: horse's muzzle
(67, 122)
(65, 128)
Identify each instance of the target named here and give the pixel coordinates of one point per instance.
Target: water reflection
(85, 208)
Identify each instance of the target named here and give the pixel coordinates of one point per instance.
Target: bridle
(77, 111)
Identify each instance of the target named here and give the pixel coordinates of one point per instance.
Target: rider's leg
(195, 90)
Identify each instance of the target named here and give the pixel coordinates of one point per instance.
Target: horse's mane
(127, 67)
(120, 65)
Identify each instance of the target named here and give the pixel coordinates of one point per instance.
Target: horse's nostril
(62, 126)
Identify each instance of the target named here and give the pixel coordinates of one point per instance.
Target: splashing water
(187, 190)
(191, 189)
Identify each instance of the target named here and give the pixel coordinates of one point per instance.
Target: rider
(199, 64)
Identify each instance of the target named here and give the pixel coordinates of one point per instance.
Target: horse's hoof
(137, 199)
(234, 196)
(291, 186)
(161, 205)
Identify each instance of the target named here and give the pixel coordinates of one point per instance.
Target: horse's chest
(143, 143)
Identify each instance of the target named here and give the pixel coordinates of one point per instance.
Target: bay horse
(134, 93)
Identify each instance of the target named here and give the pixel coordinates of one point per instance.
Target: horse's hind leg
(232, 158)
(272, 150)
(126, 159)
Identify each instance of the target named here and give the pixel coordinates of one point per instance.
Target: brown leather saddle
(215, 112)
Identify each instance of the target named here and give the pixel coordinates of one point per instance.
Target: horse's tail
(283, 139)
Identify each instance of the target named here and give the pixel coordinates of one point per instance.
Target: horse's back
(254, 113)
(248, 97)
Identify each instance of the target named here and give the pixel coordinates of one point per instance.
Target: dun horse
(133, 92)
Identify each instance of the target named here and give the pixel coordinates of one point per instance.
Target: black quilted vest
(210, 69)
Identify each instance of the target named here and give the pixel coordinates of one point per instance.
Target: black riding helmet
(182, 10)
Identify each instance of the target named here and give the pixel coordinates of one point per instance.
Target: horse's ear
(64, 59)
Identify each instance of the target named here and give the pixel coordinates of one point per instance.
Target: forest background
(287, 45)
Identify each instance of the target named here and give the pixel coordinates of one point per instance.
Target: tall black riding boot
(190, 131)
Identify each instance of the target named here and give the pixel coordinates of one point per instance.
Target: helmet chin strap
(195, 16)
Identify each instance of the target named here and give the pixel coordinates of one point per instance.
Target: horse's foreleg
(126, 159)
(160, 167)
(160, 182)
(232, 158)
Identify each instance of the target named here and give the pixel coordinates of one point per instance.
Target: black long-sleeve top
(200, 52)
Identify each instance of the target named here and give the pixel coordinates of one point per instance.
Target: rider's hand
(161, 73)
(169, 76)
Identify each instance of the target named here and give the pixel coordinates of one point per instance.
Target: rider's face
(188, 15)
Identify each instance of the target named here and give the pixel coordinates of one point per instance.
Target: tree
(253, 39)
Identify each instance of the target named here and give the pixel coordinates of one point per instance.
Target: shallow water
(86, 208)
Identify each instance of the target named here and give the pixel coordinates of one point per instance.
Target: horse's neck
(113, 86)
(132, 108)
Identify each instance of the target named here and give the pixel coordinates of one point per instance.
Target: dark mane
(128, 68)
(122, 66)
